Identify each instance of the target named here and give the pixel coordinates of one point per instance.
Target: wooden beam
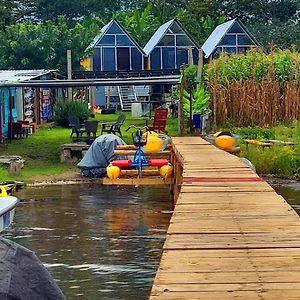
(137, 181)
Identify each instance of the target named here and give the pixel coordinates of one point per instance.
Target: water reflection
(291, 193)
(98, 242)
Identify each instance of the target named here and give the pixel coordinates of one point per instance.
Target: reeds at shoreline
(256, 89)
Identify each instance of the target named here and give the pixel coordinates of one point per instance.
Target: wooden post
(200, 67)
(190, 57)
(191, 107)
(69, 68)
(180, 110)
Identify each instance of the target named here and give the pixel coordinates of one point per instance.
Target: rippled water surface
(291, 193)
(98, 242)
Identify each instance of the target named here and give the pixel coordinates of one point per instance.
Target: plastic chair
(76, 126)
(91, 128)
(113, 127)
(160, 120)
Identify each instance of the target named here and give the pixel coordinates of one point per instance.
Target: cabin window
(230, 50)
(228, 40)
(155, 59)
(244, 39)
(181, 57)
(123, 40)
(109, 59)
(97, 60)
(107, 40)
(136, 59)
(242, 50)
(195, 56)
(168, 55)
(175, 28)
(114, 29)
(167, 40)
(236, 28)
(183, 40)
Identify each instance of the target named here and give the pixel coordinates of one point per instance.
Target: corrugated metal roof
(157, 36)
(21, 75)
(215, 37)
(105, 28)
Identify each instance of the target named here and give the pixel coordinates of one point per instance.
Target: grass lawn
(41, 150)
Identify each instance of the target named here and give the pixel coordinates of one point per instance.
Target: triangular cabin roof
(216, 36)
(105, 30)
(160, 33)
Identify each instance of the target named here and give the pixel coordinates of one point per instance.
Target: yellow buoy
(166, 171)
(113, 172)
(154, 143)
(224, 142)
(3, 192)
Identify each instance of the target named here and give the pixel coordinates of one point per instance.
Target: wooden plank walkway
(231, 235)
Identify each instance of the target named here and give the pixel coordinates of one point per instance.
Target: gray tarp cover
(101, 152)
(23, 276)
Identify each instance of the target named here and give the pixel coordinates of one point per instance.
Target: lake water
(101, 242)
(98, 242)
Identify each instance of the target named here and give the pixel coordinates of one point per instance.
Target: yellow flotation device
(166, 171)
(154, 142)
(224, 142)
(3, 192)
(113, 172)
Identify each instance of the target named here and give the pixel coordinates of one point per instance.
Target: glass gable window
(244, 39)
(167, 40)
(123, 40)
(175, 28)
(136, 59)
(114, 29)
(155, 59)
(183, 40)
(236, 28)
(168, 55)
(228, 40)
(107, 40)
(109, 59)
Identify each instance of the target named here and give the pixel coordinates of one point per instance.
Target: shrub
(63, 108)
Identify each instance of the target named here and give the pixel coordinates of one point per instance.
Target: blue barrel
(197, 120)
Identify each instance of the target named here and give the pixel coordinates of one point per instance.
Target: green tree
(32, 46)
(140, 24)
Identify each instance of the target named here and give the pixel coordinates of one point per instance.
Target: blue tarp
(99, 155)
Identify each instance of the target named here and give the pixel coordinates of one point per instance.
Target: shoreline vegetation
(256, 96)
(42, 164)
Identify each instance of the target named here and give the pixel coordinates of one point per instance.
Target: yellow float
(224, 142)
(113, 172)
(3, 192)
(154, 143)
(166, 171)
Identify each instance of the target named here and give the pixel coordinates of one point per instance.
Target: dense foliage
(257, 89)
(256, 65)
(31, 29)
(65, 108)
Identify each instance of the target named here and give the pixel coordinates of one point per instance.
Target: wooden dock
(231, 235)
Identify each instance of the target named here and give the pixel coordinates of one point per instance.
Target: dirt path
(70, 177)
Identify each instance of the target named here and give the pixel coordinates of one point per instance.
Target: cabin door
(123, 59)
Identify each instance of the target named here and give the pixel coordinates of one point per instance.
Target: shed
(33, 104)
(115, 50)
(171, 46)
(231, 37)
